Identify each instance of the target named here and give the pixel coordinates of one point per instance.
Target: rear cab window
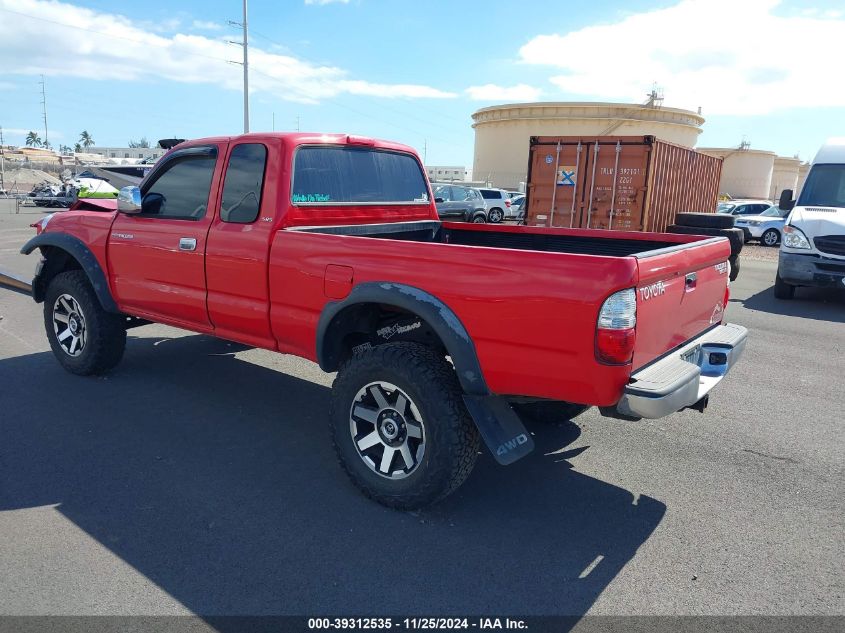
(243, 183)
(335, 175)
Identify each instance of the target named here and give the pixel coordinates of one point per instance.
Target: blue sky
(415, 71)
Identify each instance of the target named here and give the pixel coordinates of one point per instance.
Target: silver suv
(498, 204)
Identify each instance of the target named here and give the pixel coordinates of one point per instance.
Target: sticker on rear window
(311, 197)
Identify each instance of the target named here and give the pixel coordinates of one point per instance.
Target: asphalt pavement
(198, 477)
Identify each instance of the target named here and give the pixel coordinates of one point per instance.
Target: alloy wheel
(69, 325)
(770, 238)
(387, 430)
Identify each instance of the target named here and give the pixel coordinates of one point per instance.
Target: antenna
(44, 109)
(297, 123)
(245, 26)
(425, 150)
(655, 97)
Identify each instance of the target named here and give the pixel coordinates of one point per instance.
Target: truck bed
(578, 242)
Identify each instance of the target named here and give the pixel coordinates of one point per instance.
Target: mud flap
(501, 428)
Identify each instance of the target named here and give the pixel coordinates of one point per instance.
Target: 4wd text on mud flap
(508, 446)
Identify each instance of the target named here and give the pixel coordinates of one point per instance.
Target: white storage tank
(502, 132)
(803, 170)
(784, 175)
(746, 173)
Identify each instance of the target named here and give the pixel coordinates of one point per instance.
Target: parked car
(743, 207)
(457, 203)
(498, 204)
(766, 227)
(329, 247)
(812, 252)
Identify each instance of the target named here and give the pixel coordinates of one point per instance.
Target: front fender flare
(434, 312)
(77, 249)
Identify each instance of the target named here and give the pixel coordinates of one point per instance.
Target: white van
(812, 251)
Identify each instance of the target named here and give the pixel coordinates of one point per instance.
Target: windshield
(775, 212)
(725, 207)
(825, 187)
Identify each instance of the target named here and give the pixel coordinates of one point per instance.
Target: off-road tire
(734, 262)
(735, 236)
(452, 440)
(548, 411)
(783, 290)
(705, 220)
(105, 332)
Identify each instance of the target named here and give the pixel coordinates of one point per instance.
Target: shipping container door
(614, 193)
(557, 180)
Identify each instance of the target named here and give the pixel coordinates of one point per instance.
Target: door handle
(187, 244)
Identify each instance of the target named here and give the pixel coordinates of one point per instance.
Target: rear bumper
(811, 270)
(685, 376)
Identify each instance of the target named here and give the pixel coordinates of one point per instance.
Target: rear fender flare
(434, 312)
(77, 249)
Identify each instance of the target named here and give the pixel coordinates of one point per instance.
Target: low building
(127, 153)
(447, 173)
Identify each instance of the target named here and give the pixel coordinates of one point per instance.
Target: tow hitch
(701, 405)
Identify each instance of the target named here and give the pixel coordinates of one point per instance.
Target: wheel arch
(339, 319)
(66, 252)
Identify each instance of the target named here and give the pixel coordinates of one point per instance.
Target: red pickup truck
(329, 247)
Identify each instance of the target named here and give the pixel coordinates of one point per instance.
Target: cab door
(157, 257)
(239, 242)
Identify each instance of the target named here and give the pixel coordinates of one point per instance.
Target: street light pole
(246, 71)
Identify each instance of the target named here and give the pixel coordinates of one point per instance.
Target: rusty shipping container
(626, 183)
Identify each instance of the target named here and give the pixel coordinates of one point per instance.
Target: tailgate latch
(690, 281)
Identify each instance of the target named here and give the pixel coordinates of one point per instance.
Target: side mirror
(129, 200)
(438, 199)
(786, 202)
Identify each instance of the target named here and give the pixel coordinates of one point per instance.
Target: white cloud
(765, 62)
(206, 25)
(72, 41)
(322, 2)
(492, 92)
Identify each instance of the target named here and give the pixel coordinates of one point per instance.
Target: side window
(444, 192)
(243, 183)
(181, 190)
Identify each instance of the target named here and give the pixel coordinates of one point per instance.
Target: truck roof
(293, 139)
(833, 151)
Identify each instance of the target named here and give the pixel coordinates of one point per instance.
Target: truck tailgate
(680, 294)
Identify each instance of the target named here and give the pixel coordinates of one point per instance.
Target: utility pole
(44, 108)
(245, 26)
(2, 162)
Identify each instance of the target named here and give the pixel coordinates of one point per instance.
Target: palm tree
(86, 139)
(33, 140)
(77, 148)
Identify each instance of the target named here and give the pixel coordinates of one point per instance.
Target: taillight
(616, 330)
(507, 203)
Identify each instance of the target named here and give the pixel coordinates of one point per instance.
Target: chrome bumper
(685, 376)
